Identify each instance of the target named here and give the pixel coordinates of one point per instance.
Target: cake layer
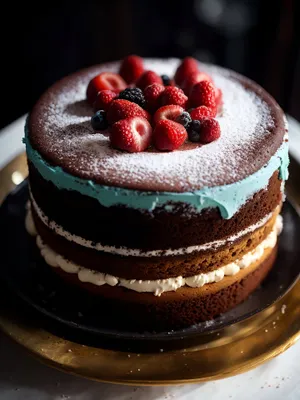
(157, 286)
(252, 126)
(160, 229)
(172, 310)
(157, 267)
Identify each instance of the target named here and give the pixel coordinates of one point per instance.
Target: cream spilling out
(158, 286)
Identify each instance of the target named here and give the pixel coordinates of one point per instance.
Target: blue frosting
(228, 198)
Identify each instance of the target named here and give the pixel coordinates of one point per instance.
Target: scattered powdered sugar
(64, 118)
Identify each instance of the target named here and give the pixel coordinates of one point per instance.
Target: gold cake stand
(233, 350)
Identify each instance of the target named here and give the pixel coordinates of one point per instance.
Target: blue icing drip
(228, 198)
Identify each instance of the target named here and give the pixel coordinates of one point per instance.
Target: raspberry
(134, 95)
(121, 109)
(99, 121)
(203, 94)
(148, 78)
(188, 66)
(131, 134)
(192, 79)
(103, 99)
(170, 112)
(173, 95)
(152, 95)
(202, 112)
(184, 119)
(104, 81)
(168, 135)
(132, 68)
(210, 130)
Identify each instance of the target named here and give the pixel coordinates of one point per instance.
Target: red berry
(170, 112)
(173, 95)
(104, 81)
(209, 130)
(219, 96)
(188, 65)
(103, 99)
(169, 135)
(202, 112)
(152, 96)
(148, 78)
(131, 134)
(192, 79)
(131, 68)
(121, 109)
(203, 94)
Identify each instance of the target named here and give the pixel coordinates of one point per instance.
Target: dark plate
(72, 313)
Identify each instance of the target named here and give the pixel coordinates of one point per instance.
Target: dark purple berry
(166, 80)
(99, 121)
(135, 95)
(184, 119)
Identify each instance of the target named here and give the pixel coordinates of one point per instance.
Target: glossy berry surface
(135, 95)
(184, 119)
(99, 121)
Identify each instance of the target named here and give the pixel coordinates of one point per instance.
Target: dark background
(42, 42)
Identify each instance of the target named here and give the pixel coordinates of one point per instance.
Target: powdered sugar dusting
(64, 118)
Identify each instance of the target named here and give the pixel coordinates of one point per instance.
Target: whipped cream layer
(125, 251)
(157, 287)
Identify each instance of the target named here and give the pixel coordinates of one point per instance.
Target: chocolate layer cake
(163, 239)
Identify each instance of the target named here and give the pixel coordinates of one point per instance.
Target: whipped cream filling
(125, 251)
(159, 286)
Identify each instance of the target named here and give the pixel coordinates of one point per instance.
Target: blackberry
(166, 80)
(194, 131)
(135, 95)
(184, 119)
(99, 121)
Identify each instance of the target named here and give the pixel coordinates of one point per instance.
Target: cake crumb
(266, 330)
(283, 308)
(128, 355)
(70, 351)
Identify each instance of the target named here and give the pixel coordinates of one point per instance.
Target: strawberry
(131, 68)
(192, 79)
(187, 66)
(121, 109)
(203, 94)
(131, 134)
(104, 81)
(209, 130)
(169, 135)
(202, 112)
(148, 78)
(170, 112)
(173, 95)
(152, 95)
(103, 99)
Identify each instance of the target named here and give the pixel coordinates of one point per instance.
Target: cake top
(252, 129)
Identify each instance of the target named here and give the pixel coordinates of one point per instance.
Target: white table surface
(22, 377)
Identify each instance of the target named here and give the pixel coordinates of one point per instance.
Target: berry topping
(203, 94)
(202, 112)
(210, 130)
(103, 99)
(194, 131)
(173, 95)
(121, 109)
(169, 135)
(99, 121)
(192, 79)
(167, 81)
(219, 96)
(184, 119)
(132, 68)
(148, 78)
(170, 112)
(132, 134)
(133, 94)
(104, 81)
(188, 66)
(152, 95)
